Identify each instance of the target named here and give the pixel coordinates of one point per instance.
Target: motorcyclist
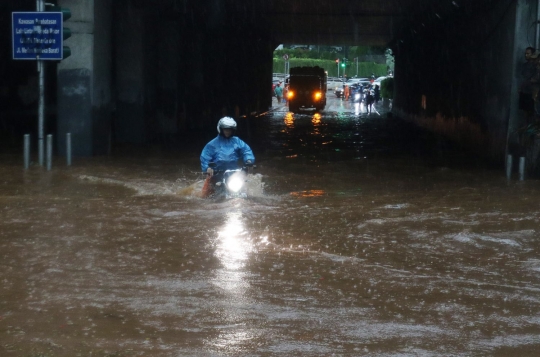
(226, 149)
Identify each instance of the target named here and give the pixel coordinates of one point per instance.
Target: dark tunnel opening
(165, 72)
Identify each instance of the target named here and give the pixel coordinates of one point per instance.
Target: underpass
(377, 234)
(456, 68)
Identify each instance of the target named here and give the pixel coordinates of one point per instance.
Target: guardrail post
(26, 151)
(509, 167)
(49, 152)
(68, 149)
(521, 168)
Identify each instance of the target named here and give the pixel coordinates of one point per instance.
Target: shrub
(387, 88)
(365, 69)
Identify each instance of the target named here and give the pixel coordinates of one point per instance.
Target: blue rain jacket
(225, 153)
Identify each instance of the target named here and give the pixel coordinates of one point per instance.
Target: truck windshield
(311, 81)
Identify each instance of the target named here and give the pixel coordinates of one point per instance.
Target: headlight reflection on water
(358, 108)
(308, 193)
(316, 121)
(289, 120)
(233, 248)
(233, 245)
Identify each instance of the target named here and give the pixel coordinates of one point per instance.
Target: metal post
(68, 149)
(26, 151)
(357, 66)
(338, 69)
(521, 168)
(41, 106)
(509, 167)
(41, 110)
(49, 152)
(537, 44)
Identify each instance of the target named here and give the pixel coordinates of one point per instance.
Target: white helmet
(226, 123)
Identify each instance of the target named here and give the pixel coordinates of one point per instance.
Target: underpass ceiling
(328, 22)
(347, 22)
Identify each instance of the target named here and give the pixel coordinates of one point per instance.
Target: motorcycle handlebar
(245, 167)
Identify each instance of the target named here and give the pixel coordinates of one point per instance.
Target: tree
(389, 60)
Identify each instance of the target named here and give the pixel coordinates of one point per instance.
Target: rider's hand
(210, 171)
(248, 162)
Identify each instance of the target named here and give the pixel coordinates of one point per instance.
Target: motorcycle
(230, 183)
(356, 97)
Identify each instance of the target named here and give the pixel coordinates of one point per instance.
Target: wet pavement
(362, 236)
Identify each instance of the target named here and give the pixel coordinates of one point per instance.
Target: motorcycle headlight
(357, 96)
(235, 183)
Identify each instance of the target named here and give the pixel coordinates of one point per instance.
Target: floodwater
(362, 236)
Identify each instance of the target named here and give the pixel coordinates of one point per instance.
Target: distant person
(279, 92)
(361, 91)
(369, 101)
(529, 81)
(535, 88)
(376, 93)
(354, 91)
(285, 92)
(346, 92)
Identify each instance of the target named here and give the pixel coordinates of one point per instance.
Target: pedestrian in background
(369, 101)
(528, 88)
(279, 92)
(535, 83)
(376, 93)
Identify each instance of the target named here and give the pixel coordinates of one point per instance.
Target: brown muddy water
(362, 236)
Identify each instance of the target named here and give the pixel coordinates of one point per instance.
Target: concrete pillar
(177, 69)
(84, 79)
(477, 105)
(168, 106)
(523, 34)
(129, 53)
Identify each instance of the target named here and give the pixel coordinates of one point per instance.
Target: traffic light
(66, 32)
(337, 60)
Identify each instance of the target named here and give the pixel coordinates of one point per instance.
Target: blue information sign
(37, 35)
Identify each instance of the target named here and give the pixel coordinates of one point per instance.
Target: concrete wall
(464, 68)
(84, 79)
(525, 35)
(168, 105)
(102, 80)
(129, 123)
(178, 69)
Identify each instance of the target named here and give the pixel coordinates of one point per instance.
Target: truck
(307, 88)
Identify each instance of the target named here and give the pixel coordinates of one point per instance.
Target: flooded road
(362, 236)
